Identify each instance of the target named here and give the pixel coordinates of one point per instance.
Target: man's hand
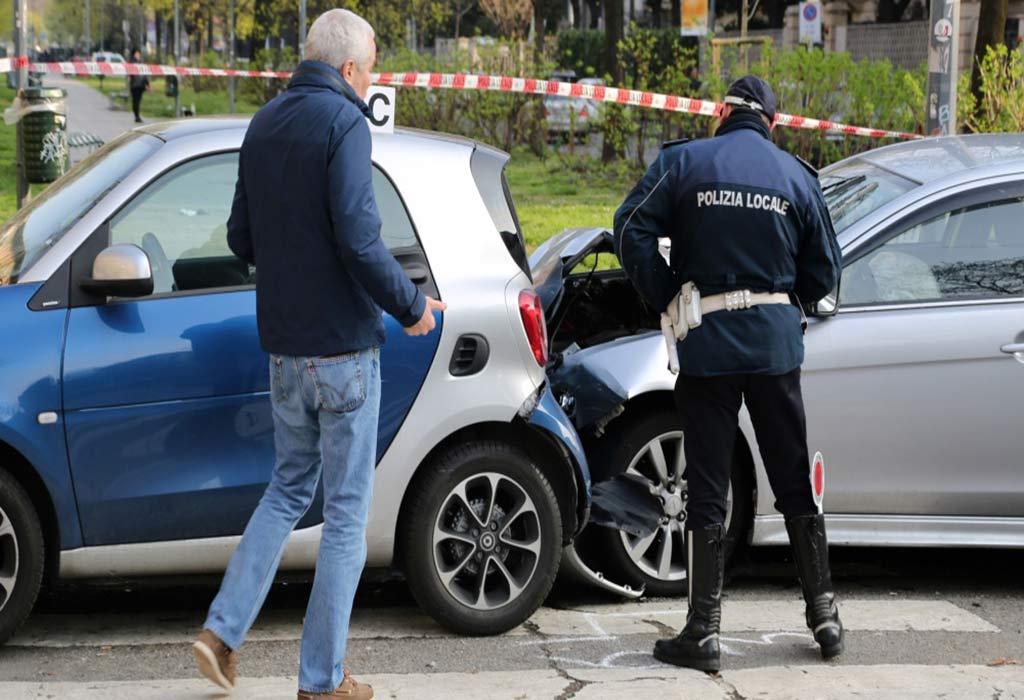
(426, 322)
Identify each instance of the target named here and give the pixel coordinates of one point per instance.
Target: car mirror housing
(825, 307)
(120, 271)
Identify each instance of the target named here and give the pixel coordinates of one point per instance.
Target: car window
(855, 189)
(975, 252)
(396, 227)
(26, 236)
(181, 222)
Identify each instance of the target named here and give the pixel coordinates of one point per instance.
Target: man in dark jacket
(304, 214)
(137, 84)
(750, 231)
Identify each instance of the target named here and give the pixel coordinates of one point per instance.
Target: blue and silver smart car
(135, 426)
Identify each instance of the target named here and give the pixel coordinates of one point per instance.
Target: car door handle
(1013, 348)
(418, 273)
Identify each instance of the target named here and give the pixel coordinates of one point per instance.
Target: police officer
(749, 229)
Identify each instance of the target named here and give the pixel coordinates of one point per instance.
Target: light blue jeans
(325, 420)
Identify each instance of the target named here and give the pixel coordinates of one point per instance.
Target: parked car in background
(135, 425)
(107, 57)
(912, 390)
(576, 116)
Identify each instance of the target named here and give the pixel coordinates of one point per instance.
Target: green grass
(156, 106)
(560, 192)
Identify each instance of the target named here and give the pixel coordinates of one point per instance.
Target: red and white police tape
(461, 81)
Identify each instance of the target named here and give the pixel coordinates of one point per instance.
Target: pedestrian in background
(304, 213)
(750, 239)
(137, 84)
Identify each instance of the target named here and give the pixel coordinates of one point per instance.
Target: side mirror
(120, 271)
(829, 306)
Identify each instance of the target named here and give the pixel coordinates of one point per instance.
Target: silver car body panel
(903, 531)
(474, 273)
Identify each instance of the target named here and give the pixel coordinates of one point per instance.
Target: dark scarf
(744, 119)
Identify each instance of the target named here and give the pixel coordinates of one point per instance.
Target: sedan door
(912, 392)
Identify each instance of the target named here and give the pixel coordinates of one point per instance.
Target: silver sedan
(912, 390)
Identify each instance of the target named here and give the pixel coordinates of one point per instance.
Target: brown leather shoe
(215, 660)
(349, 689)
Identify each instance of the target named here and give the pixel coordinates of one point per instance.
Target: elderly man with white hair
(304, 214)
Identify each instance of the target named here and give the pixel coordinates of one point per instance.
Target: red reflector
(583, 113)
(533, 323)
(819, 479)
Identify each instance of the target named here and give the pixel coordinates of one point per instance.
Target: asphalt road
(921, 623)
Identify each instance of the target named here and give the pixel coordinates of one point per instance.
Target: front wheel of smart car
(21, 556)
(482, 538)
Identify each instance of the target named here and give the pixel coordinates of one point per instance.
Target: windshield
(854, 190)
(40, 224)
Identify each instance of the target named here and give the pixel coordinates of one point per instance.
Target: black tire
(21, 555)
(433, 491)
(619, 449)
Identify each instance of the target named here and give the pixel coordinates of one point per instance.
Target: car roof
(184, 128)
(931, 159)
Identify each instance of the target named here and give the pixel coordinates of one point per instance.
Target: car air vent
(470, 356)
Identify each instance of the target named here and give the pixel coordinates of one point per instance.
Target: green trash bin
(44, 133)
(171, 86)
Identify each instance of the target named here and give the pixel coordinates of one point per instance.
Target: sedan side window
(181, 222)
(972, 253)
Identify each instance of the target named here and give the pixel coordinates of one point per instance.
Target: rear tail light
(533, 323)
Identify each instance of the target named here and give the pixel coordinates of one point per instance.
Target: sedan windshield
(855, 189)
(26, 236)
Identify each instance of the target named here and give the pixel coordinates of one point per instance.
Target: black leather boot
(810, 553)
(697, 645)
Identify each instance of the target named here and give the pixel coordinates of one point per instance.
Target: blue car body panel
(30, 362)
(169, 426)
(550, 417)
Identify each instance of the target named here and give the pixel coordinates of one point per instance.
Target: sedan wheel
(662, 554)
(651, 447)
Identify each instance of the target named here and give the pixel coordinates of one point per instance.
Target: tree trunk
(595, 12)
(613, 34)
(539, 14)
(577, 17)
(158, 21)
(776, 10)
(655, 7)
(991, 32)
(677, 14)
(891, 10)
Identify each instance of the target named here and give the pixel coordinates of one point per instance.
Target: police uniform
(747, 221)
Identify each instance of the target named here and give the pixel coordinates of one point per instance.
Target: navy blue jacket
(741, 214)
(304, 213)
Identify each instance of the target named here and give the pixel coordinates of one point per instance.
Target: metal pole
(20, 51)
(177, 60)
(302, 30)
(231, 56)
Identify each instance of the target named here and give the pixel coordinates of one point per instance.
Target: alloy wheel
(487, 541)
(8, 559)
(662, 554)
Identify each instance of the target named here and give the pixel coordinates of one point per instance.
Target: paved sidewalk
(89, 111)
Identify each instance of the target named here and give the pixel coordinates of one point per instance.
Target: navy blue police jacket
(741, 214)
(304, 214)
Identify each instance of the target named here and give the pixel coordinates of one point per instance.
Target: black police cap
(753, 93)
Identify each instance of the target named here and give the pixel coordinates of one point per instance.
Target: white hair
(340, 36)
